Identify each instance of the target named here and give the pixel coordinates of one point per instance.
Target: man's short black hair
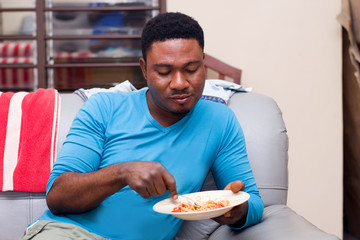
(171, 25)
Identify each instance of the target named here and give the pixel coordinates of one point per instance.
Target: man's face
(175, 75)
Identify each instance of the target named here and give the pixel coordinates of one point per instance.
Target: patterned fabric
(214, 99)
(28, 139)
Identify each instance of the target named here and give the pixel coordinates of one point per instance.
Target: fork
(191, 200)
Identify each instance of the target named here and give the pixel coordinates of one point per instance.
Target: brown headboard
(223, 69)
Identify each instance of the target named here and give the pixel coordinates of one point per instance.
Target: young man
(125, 152)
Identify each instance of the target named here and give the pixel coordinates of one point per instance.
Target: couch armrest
(278, 222)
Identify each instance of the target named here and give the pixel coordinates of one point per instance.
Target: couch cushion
(17, 210)
(278, 222)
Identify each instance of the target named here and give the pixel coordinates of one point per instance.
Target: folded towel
(221, 91)
(16, 77)
(16, 49)
(125, 86)
(28, 139)
(72, 56)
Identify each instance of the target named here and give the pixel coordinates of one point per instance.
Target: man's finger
(159, 185)
(170, 185)
(151, 189)
(235, 186)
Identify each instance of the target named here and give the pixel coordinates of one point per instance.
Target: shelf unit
(44, 37)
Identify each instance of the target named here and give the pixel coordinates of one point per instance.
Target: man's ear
(143, 67)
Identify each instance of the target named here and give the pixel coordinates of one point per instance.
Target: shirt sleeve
(81, 151)
(232, 164)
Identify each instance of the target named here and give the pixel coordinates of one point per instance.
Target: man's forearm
(74, 192)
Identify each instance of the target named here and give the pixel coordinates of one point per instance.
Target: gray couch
(267, 146)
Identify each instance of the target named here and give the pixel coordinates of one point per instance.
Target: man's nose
(179, 81)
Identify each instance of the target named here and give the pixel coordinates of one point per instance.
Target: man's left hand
(236, 217)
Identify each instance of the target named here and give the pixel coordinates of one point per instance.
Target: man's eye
(164, 73)
(191, 70)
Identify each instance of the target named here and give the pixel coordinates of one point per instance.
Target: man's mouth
(180, 99)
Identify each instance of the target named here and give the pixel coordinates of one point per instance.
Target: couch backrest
(265, 135)
(267, 143)
(70, 105)
(267, 146)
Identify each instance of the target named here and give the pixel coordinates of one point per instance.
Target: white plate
(166, 206)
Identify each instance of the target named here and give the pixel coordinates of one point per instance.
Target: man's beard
(180, 112)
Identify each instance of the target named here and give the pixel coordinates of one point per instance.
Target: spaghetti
(187, 206)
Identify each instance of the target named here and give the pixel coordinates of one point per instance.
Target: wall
(289, 50)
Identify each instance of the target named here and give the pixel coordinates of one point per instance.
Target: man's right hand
(149, 179)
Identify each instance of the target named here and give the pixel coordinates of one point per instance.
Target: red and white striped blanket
(28, 139)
